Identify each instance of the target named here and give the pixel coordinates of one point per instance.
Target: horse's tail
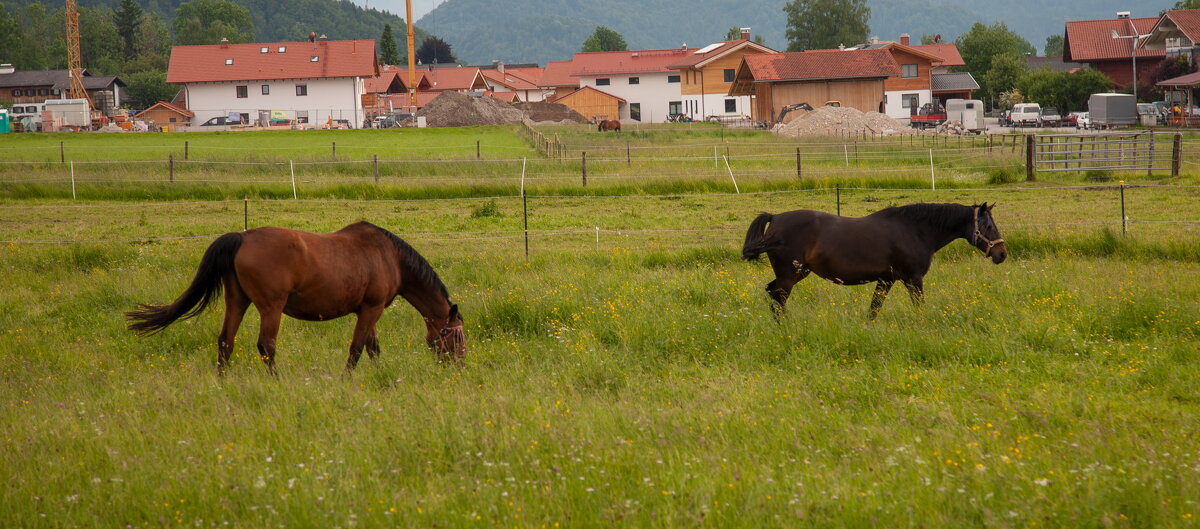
(214, 266)
(755, 245)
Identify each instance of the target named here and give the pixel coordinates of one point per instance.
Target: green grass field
(626, 376)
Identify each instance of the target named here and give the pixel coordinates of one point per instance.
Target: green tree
(208, 21)
(984, 43)
(435, 51)
(1187, 4)
(818, 24)
(387, 46)
(1065, 91)
(149, 87)
(10, 37)
(127, 20)
(604, 39)
(930, 39)
(1054, 45)
(1006, 70)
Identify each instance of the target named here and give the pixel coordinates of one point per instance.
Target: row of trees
(432, 50)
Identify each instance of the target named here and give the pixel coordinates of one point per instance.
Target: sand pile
(838, 121)
(453, 109)
(541, 111)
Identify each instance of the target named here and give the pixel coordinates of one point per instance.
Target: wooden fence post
(1176, 154)
(584, 167)
(171, 166)
(477, 149)
(1029, 147)
(375, 159)
(334, 152)
(185, 150)
(799, 172)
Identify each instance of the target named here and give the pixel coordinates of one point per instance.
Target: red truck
(930, 115)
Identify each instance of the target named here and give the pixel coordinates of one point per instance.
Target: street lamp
(1134, 38)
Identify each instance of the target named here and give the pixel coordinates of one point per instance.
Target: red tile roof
(593, 89)
(822, 64)
(505, 97)
(948, 53)
(695, 59)
(444, 79)
(533, 75)
(335, 58)
(623, 62)
(1188, 22)
(1091, 40)
(511, 80)
(558, 73)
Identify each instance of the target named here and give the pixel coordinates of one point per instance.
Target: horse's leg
(916, 291)
(363, 328)
(270, 318)
(881, 292)
(235, 308)
(787, 274)
(373, 344)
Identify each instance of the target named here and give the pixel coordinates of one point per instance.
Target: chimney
(904, 39)
(323, 39)
(312, 36)
(745, 33)
(683, 47)
(224, 42)
(7, 68)
(874, 39)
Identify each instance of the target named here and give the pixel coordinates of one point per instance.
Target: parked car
(1083, 120)
(213, 122)
(1026, 115)
(1072, 119)
(395, 119)
(1051, 117)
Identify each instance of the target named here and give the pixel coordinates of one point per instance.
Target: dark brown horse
(609, 124)
(894, 244)
(359, 269)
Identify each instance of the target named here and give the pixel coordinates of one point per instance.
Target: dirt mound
(453, 109)
(837, 121)
(541, 111)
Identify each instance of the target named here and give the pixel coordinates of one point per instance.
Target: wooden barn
(855, 78)
(593, 104)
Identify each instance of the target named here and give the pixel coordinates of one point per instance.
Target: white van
(1026, 115)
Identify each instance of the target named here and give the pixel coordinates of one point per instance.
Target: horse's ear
(989, 208)
(454, 315)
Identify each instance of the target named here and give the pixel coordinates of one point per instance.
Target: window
(29, 91)
(730, 105)
(242, 92)
(56, 91)
(282, 49)
(912, 101)
(16, 93)
(908, 71)
(43, 91)
(264, 49)
(728, 75)
(635, 80)
(672, 78)
(314, 58)
(301, 116)
(173, 120)
(675, 107)
(603, 81)
(266, 89)
(301, 89)
(228, 62)
(635, 111)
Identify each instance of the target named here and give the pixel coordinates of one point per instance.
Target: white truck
(1026, 115)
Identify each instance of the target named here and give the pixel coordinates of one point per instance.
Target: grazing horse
(894, 244)
(359, 269)
(609, 124)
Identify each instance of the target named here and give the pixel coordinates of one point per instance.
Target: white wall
(895, 99)
(714, 105)
(339, 98)
(652, 91)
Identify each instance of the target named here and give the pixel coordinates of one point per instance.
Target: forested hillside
(543, 30)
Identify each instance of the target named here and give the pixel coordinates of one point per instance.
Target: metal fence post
(1124, 222)
(839, 199)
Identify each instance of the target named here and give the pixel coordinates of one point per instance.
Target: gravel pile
(453, 109)
(837, 121)
(541, 111)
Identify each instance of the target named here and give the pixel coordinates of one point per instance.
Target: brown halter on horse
(359, 269)
(894, 244)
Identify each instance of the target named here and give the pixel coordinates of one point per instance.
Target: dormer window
(314, 59)
(282, 49)
(264, 49)
(228, 62)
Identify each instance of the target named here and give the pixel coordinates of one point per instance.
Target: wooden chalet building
(706, 75)
(856, 78)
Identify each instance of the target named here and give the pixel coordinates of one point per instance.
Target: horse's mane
(415, 264)
(948, 216)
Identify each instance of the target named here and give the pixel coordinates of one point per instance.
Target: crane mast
(74, 62)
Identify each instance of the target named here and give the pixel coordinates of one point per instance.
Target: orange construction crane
(74, 62)
(412, 58)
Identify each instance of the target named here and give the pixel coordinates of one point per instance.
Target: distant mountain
(278, 20)
(543, 30)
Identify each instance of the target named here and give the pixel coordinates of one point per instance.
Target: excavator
(802, 106)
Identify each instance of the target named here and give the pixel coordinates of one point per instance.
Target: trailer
(968, 112)
(1110, 110)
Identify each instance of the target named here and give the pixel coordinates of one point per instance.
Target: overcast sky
(420, 7)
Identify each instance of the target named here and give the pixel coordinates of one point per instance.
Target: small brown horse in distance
(894, 244)
(359, 269)
(609, 124)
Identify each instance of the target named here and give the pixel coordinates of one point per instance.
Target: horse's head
(446, 337)
(986, 236)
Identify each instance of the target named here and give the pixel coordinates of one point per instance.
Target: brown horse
(359, 269)
(609, 124)
(894, 244)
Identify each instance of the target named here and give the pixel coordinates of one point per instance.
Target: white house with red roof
(308, 82)
(640, 77)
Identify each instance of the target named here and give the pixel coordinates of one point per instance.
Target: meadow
(627, 372)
